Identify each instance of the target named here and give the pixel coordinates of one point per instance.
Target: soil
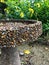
(39, 54)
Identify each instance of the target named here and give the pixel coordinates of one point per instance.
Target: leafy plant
(19, 9)
(41, 9)
(29, 9)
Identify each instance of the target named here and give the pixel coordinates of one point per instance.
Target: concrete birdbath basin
(13, 33)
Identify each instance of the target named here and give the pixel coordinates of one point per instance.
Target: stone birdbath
(13, 33)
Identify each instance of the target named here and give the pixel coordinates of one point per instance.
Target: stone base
(9, 56)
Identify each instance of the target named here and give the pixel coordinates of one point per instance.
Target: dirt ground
(39, 54)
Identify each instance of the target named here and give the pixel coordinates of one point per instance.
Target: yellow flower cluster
(6, 10)
(21, 14)
(1, 0)
(38, 4)
(31, 10)
(45, 0)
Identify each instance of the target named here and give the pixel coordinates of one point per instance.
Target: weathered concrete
(13, 33)
(9, 56)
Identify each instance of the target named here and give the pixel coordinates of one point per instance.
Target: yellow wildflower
(6, 10)
(45, 0)
(31, 10)
(1, 0)
(38, 4)
(21, 14)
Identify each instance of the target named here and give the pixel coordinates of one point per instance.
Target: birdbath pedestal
(13, 33)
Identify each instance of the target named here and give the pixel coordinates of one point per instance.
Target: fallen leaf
(26, 51)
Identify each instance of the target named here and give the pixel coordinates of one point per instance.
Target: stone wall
(15, 33)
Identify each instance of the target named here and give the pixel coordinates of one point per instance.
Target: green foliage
(42, 13)
(19, 9)
(1, 15)
(29, 9)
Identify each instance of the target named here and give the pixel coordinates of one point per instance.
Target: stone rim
(18, 20)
